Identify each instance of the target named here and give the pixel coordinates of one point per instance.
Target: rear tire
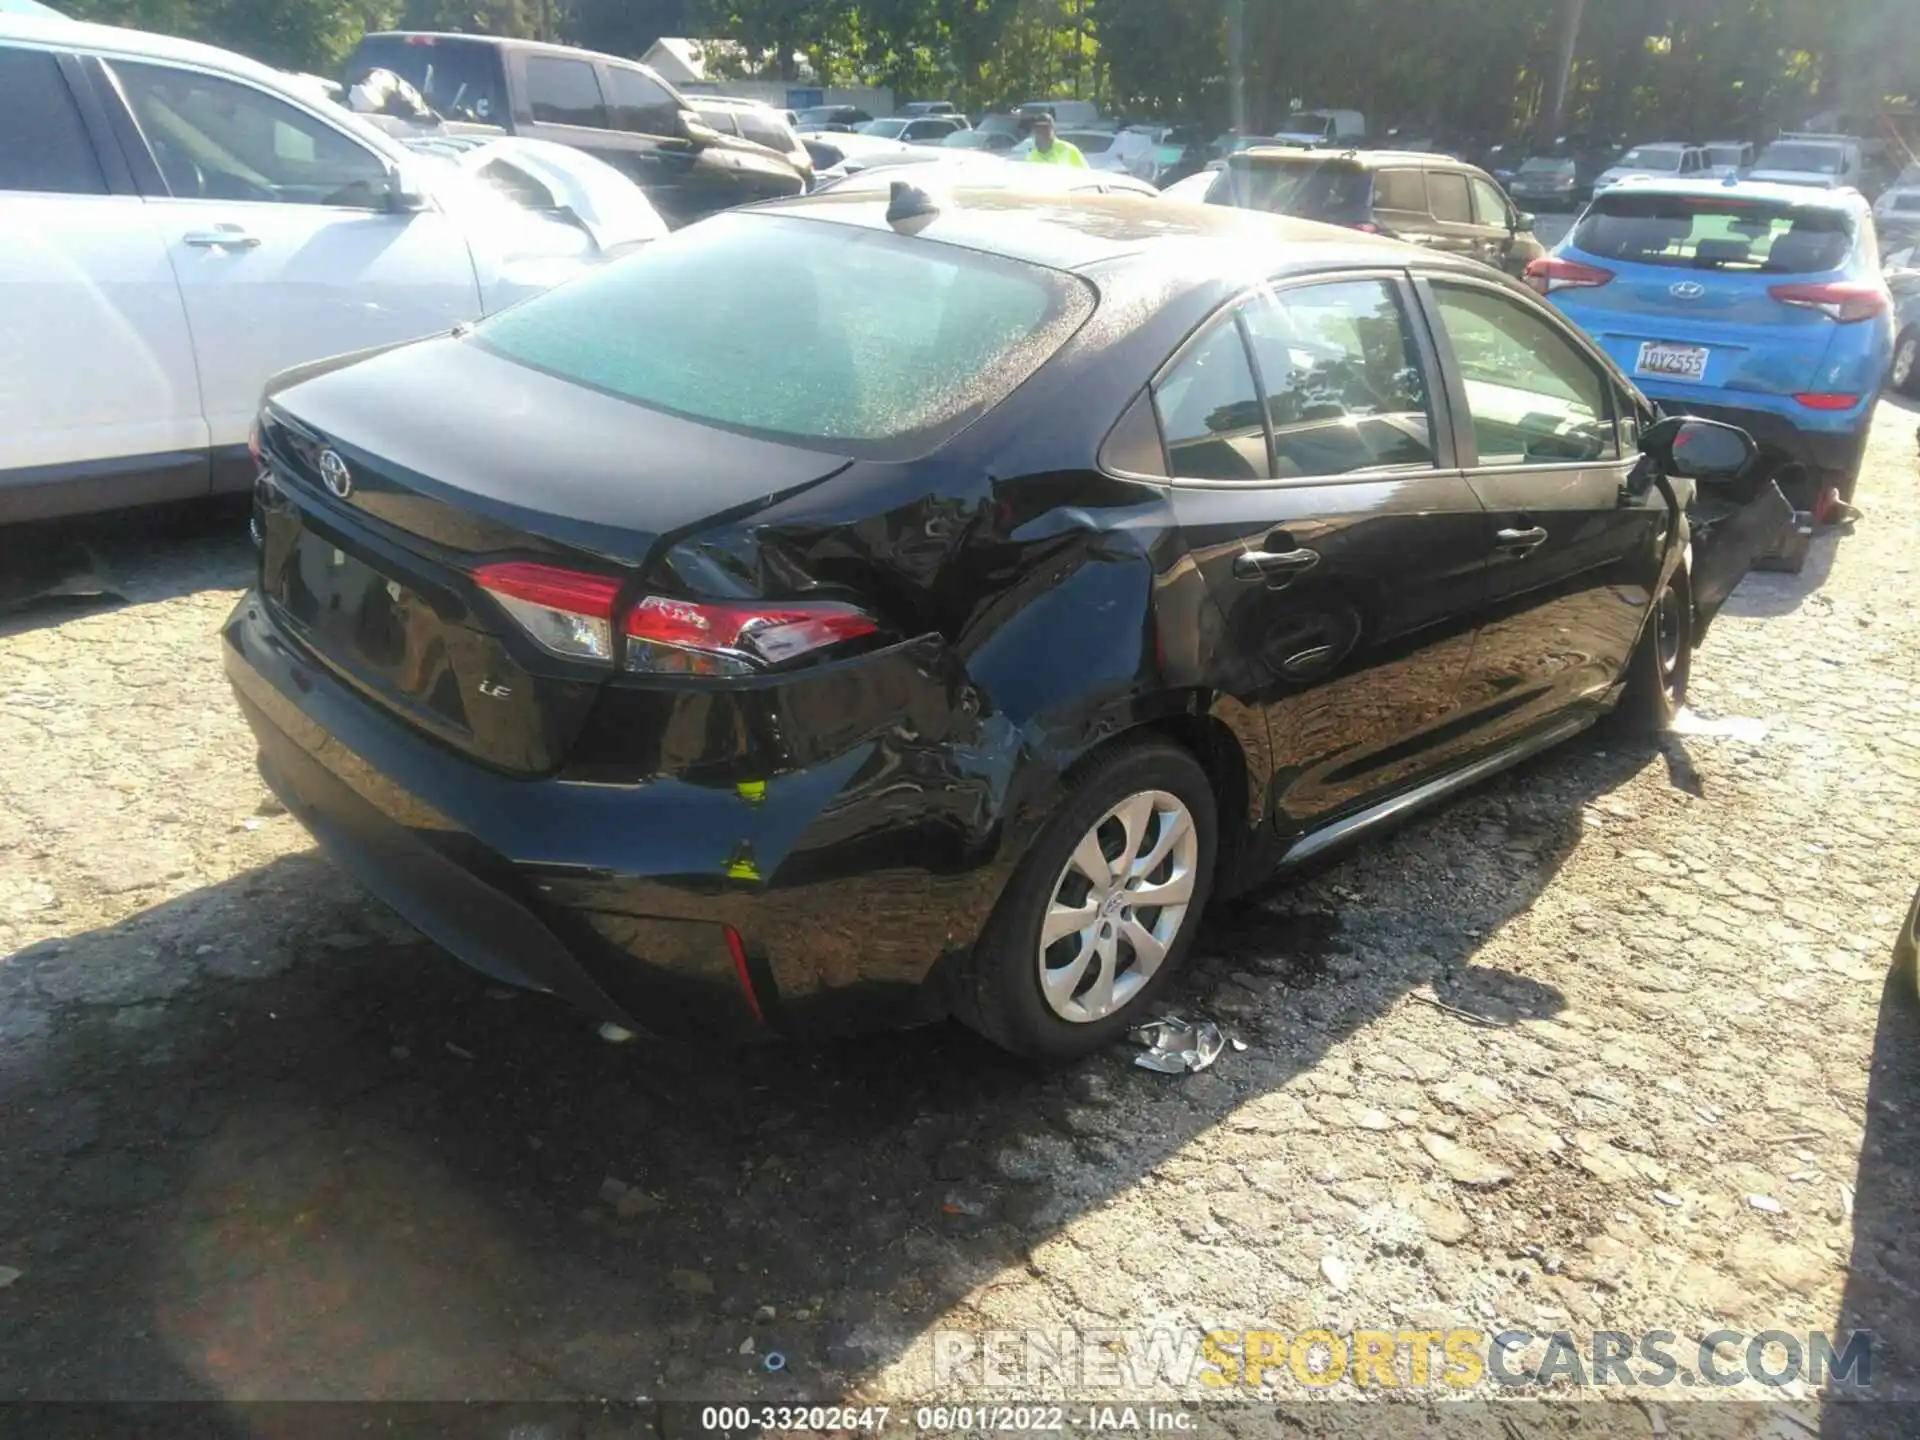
(1096, 980)
(1904, 374)
(1657, 673)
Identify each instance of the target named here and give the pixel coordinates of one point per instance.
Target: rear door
(1455, 231)
(1343, 549)
(277, 227)
(1574, 559)
(96, 368)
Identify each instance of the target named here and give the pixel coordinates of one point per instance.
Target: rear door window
(642, 104)
(1342, 381)
(1447, 194)
(43, 143)
(565, 92)
(1400, 190)
(1713, 232)
(1210, 411)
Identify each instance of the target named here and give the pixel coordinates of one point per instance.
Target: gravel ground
(1521, 1064)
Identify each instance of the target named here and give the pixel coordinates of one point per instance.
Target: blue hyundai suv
(1762, 305)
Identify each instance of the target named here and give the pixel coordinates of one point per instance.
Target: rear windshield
(861, 342)
(1651, 157)
(1715, 233)
(1311, 189)
(1809, 159)
(460, 79)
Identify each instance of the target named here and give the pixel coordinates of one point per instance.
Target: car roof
(509, 42)
(1365, 159)
(1841, 199)
(1082, 231)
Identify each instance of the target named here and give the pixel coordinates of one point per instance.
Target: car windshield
(1808, 159)
(969, 139)
(1715, 233)
(1088, 142)
(888, 129)
(1311, 189)
(1725, 155)
(860, 342)
(1652, 157)
(460, 79)
(1546, 165)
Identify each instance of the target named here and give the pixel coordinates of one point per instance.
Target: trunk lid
(454, 458)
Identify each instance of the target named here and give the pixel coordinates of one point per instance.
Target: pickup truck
(616, 110)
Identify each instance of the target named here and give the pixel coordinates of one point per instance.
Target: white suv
(178, 223)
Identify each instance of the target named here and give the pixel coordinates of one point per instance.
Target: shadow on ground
(261, 1142)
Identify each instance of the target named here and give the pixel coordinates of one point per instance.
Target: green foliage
(1673, 67)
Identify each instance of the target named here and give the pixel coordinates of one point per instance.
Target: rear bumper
(621, 897)
(1815, 439)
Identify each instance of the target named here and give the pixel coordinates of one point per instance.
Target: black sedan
(868, 609)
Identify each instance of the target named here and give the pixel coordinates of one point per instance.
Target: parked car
(938, 172)
(832, 117)
(915, 130)
(1901, 267)
(993, 142)
(1431, 200)
(1759, 304)
(836, 153)
(1666, 160)
(833, 615)
(757, 123)
(1729, 158)
(616, 110)
(1552, 182)
(1326, 127)
(1899, 203)
(1825, 162)
(177, 223)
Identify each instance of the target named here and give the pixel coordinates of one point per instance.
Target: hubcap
(1903, 360)
(1117, 906)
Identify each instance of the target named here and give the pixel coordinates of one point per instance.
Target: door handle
(1521, 541)
(1267, 564)
(222, 237)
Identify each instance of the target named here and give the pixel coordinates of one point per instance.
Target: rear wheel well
(1212, 743)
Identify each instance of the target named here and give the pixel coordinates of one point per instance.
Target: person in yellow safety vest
(1049, 149)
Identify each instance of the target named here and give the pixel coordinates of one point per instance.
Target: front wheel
(1657, 673)
(1102, 911)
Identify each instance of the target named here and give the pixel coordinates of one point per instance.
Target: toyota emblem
(334, 473)
(1687, 290)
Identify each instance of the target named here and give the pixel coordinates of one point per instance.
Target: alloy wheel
(1668, 639)
(1117, 906)
(1904, 360)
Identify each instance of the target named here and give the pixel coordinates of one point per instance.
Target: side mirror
(405, 194)
(1523, 223)
(1697, 449)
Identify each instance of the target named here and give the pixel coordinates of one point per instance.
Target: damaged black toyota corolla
(853, 612)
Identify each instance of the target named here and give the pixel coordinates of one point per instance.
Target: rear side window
(1447, 194)
(1210, 410)
(643, 105)
(862, 343)
(1716, 233)
(43, 144)
(1400, 190)
(564, 92)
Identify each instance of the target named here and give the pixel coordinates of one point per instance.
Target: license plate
(1672, 362)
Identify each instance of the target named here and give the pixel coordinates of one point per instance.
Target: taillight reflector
(1828, 402)
(1846, 301)
(1551, 273)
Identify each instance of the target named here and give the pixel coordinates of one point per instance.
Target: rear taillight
(680, 637)
(570, 613)
(1551, 273)
(1844, 300)
(563, 611)
(1824, 401)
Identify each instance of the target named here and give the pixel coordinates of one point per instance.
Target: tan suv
(1432, 200)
